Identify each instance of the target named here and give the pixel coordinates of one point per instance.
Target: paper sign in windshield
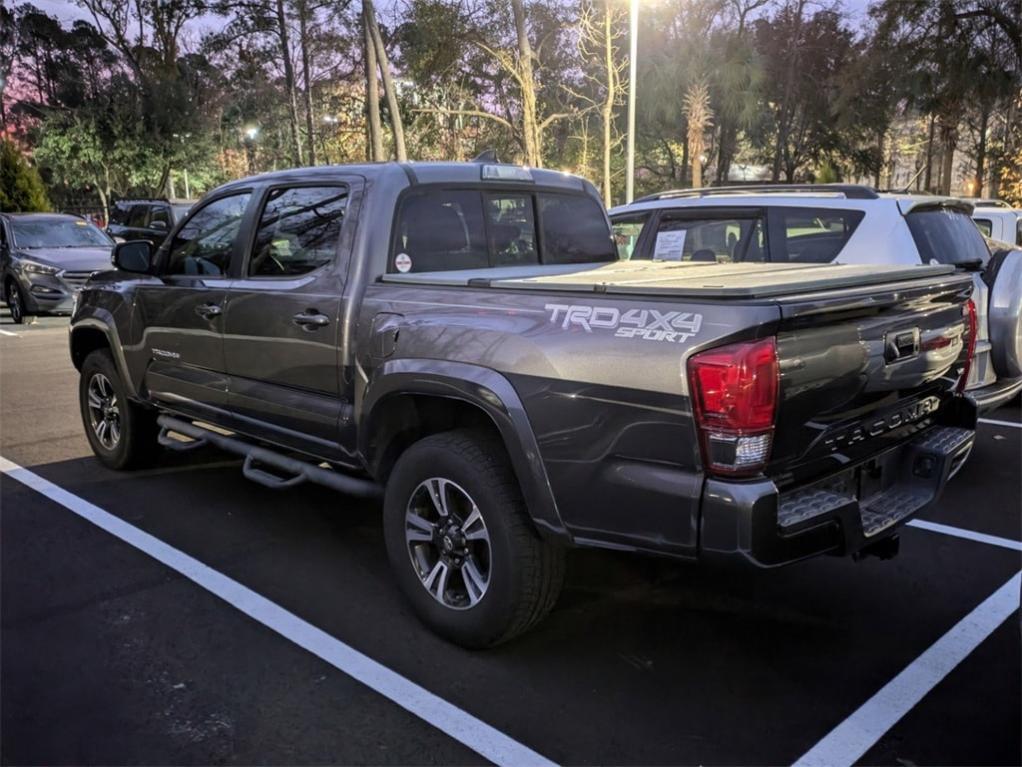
(669, 245)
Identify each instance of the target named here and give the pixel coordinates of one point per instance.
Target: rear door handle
(209, 311)
(311, 320)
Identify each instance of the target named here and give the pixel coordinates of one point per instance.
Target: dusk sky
(68, 11)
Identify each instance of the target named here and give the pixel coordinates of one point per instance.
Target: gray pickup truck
(463, 340)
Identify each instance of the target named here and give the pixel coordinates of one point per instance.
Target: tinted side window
(119, 214)
(298, 230)
(160, 213)
(813, 235)
(575, 230)
(626, 235)
(203, 245)
(1018, 232)
(724, 240)
(440, 230)
(136, 219)
(511, 222)
(947, 236)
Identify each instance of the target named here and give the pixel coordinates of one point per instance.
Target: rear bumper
(842, 513)
(990, 397)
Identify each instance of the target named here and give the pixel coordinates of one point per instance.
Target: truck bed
(688, 279)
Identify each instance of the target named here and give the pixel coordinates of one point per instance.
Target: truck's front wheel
(122, 434)
(461, 543)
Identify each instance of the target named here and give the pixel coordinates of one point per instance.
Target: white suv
(822, 223)
(998, 221)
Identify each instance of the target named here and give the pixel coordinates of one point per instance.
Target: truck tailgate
(863, 370)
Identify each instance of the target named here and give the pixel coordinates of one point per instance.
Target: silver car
(45, 259)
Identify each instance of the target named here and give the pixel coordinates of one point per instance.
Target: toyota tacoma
(463, 341)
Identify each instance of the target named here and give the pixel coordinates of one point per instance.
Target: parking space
(642, 661)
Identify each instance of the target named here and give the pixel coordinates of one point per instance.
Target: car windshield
(58, 233)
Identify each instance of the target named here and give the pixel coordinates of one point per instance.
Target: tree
(389, 90)
(805, 58)
(21, 188)
(700, 117)
(738, 79)
(600, 36)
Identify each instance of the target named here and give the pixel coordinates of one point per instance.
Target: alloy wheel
(14, 302)
(104, 411)
(448, 543)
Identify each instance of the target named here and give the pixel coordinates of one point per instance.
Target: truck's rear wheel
(122, 434)
(461, 544)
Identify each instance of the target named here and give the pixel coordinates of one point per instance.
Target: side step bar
(298, 471)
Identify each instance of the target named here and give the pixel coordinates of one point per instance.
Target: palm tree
(700, 117)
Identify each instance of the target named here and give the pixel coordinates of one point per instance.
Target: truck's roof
(414, 172)
(679, 278)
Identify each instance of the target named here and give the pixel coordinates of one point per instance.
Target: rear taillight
(969, 313)
(734, 401)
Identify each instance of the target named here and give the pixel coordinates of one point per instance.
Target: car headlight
(34, 267)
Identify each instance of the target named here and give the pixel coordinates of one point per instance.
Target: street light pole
(633, 51)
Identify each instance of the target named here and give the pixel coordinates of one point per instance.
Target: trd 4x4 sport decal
(646, 324)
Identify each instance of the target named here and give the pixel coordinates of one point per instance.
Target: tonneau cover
(683, 279)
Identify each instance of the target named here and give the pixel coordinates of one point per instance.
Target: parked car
(998, 221)
(461, 338)
(824, 223)
(146, 219)
(45, 258)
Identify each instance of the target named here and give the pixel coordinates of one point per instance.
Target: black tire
(15, 302)
(136, 445)
(525, 572)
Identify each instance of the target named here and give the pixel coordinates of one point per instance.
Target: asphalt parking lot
(111, 656)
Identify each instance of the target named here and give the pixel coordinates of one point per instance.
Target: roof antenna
(487, 156)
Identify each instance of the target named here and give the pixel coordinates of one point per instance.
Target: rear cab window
(440, 229)
(985, 225)
(947, 236)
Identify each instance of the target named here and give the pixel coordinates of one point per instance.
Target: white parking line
(485, 740)
(847, 742)
(8, 333)
(958, 532)
(995, 422)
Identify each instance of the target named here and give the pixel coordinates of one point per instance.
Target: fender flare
(103, 321)
(490, 392)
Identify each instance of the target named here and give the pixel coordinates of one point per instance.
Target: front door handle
(209, 311)
(311, 320)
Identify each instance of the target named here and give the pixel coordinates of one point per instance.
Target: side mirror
(135, 256)
(158, 225)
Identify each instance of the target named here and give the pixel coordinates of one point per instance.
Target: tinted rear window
(575, 230)
(452, 229)
(946, 236)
